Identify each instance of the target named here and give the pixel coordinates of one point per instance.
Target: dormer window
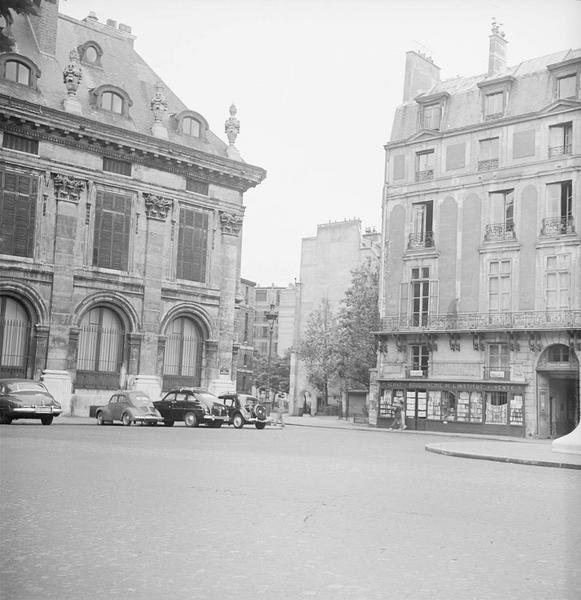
(17, 72)
(432, 116)
(19, 69)
(90, 53)
(567, 86)
(112, 101)
(191, 126)
(431, 110)
(494, 105)
(495, 93)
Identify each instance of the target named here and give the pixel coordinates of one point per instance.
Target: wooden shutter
(112, 228)
(17, 213)
(192, 245)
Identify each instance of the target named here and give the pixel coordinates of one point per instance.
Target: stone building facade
(480, 291)
(246, 312)
(120, 219)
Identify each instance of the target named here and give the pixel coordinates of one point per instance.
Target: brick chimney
(420, 74)
(44, 25)
(497, 51)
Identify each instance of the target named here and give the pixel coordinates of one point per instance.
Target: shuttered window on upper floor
(192, 245)
(114, 165)
(19, 143)
(17, 213)
(112, 229)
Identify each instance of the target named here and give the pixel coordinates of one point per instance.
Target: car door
(124, 404)
(166, 406)
(192, 403)
(114, 408)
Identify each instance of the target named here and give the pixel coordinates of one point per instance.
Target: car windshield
(25, 386)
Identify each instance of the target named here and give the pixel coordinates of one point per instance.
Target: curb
(506, 459)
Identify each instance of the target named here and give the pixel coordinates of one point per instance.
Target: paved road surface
(94, 512)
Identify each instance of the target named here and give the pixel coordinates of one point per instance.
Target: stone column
(67, 192)
(231, 224)
(148, 378)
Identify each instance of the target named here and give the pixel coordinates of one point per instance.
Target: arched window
(17, 72)
(14, 338)
(191, 126)
(101, 344)
(183, 354)
(112, 101)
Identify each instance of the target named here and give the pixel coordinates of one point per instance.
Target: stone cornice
(88, 135)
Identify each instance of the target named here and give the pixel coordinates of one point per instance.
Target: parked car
(244, 409)
(26, 399)
(193, 406)
(128, 407)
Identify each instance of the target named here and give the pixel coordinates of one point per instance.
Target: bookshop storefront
(468, 407)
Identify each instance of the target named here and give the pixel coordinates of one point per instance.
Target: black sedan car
(26, 399)
(244, 409)
(193, 406)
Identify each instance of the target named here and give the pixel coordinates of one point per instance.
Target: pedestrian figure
(399, 414)
(279, 407)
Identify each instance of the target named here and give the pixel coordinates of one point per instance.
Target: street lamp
(271, 317)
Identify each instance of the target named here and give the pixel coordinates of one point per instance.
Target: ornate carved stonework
(232, 125)
(67, 188)
(73, 73)
(157, 207)
(231, 224)
(158, 104)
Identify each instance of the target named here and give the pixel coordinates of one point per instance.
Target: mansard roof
(119, 66)
(531, 91)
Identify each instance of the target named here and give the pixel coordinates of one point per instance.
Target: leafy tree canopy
(279, 372)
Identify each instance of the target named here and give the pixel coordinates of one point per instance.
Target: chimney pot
(92, 16)
(112, 23)
(124, 28)
(497, 49)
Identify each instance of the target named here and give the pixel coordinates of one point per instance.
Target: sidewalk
(482, 447)
(496, 448)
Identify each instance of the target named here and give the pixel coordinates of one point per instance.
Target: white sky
(316, 83)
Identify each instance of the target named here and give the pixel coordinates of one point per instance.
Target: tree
(318, 348)
(20, 7)
(357, 320)
(279, 371)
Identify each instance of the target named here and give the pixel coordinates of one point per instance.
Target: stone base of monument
(570, 443)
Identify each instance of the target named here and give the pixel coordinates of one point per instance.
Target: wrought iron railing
(490, 163)
(558, 225)
(551, 319)
(425, 175)
(499, 231)
(561, 150)
(423, 239)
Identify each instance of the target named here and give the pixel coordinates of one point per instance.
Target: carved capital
(231, 224)
(68, 188)
(157, 207)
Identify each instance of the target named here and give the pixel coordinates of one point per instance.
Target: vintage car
(128, 407)
(244, 409)
(193, 406)
(26, 399)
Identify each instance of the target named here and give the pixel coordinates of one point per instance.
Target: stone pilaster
(41, 349)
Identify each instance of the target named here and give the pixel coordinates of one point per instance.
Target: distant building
(327, 262)
(246, 311)
(120, 219)
(480, 291)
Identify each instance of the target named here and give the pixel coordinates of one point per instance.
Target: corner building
(480, 292)
(120, 219)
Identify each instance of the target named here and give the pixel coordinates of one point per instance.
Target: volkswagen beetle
(128, 407)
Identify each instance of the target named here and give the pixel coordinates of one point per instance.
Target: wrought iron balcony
(496, 373)
(426, 175)
(561, 150)
(486, 165)
(499, 232)
(558, 226)
(535, 320)
(423, 239)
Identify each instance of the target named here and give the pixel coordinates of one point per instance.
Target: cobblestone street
(147, 513)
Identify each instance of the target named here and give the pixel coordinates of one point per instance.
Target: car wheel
(168, 423)
(100, 419)
(260, 425)
(126, 419)
(190, 419)
(238, 421)
(5, 420)
(46, 420)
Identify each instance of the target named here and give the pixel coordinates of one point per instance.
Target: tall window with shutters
(17, 213)
(500, 224)
(192, 245)
(558, 282)
(112, 229)
(499, 286)
(559, 214)
(418, 297)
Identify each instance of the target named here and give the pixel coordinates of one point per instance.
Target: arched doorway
(557, 391)
(182, 364)
(15, 335)
(101, 350)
